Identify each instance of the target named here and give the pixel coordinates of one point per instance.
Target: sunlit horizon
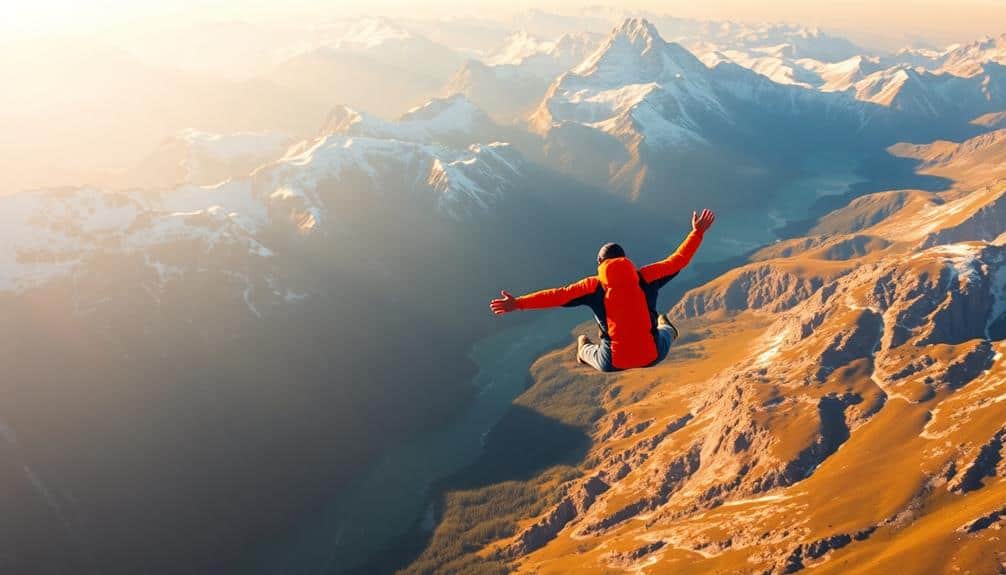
(885, 26)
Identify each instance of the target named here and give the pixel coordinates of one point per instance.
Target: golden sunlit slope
(992, 121)
(970, 163)
(836, 404)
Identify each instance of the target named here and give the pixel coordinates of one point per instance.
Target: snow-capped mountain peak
(640, 33)
(444, 120)
(570, 44)
(634, 39)
(635, 52)
(370, 33)
(344, 119)
(521, 48)
(964, 60)
(455, 112)
(968, 59)
(632, 66)
(516, 48)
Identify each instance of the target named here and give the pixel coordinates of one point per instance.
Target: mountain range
(243, 319)
(835, 404)
(511, 81)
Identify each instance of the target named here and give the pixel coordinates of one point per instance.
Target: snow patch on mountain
(473, 184)
(430, 122)
(370, 33)
(963, 259)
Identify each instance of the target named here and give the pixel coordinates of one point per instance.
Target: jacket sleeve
(675, 262)
(557, 297)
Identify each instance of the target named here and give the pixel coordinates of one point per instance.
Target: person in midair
(624, 300)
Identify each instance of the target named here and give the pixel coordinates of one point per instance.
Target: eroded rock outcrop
(769, 287)
(987, 462)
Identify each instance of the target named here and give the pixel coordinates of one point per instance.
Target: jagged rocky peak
(639, 33)
(341, 120)
(629, 44)
(635, 51)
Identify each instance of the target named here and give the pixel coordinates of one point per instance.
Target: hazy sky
(878, 22)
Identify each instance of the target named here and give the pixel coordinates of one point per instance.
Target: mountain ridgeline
(201, 356)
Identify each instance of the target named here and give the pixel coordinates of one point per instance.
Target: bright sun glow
(934, 20)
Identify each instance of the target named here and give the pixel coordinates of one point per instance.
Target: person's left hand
(503, 305)
(702, 222)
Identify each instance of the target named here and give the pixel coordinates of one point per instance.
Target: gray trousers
(598, 355)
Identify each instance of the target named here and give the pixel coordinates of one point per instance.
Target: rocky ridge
(845, 396)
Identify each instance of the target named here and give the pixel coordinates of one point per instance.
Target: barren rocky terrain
(837, 403)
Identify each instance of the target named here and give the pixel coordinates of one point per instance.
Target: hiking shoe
(580, 342)
(662, 321)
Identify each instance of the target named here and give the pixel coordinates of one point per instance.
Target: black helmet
(609, 251)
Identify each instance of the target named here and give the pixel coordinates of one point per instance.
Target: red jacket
(624, 300)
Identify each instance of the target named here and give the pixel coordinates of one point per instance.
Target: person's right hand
(702, 222)
(503, 305)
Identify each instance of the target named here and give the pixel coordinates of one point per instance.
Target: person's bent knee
(594, 356)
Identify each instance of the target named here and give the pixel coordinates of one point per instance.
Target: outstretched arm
(680, 258)
(545, 298)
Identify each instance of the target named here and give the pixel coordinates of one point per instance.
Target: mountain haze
(244, 313)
